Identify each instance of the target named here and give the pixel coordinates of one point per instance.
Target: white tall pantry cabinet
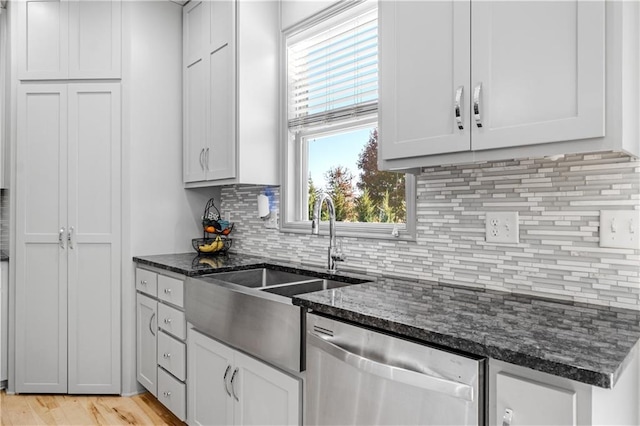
(68, 185)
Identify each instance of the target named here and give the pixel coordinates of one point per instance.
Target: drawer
(172, 321)
(172, 394)
(147, 282)
(172, 355)
(171, 290)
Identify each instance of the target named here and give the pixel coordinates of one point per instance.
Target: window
(332, 131)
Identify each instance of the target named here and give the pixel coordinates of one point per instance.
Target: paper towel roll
(263, 205)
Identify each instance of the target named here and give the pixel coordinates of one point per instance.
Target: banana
(216, 245)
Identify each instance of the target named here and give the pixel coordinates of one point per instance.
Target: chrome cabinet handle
(476, 104)
(166, 355)
(202, 158)
(233, 387)
(224, 379)
(398, 374)
(167, 394)
(151, 322)
(206, 159)
(70, 238)
(457, 108)
(143, 282)
(167, 291)
(167, 320)
(61, 238)
(508, 416)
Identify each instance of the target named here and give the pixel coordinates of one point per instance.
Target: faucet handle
(337, 254)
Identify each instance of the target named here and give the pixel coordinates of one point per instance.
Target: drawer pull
(167, 291)
(166, 355)
(167, 320)
(143, 282)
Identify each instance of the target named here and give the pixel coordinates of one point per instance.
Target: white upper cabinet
(425, 57)
(78, 39)
(464, 81)
(539, 69)
(230, 71)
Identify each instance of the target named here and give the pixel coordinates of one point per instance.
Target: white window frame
(294, 176)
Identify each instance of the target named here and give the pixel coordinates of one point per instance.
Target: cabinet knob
(166, 355)
(167, 320)
(167, 394)
(167, 291)
(143, 282)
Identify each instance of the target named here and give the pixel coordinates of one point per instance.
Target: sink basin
(293, 289)
(261, 277)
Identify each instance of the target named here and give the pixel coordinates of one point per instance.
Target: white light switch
(619, 229)
(502, 227)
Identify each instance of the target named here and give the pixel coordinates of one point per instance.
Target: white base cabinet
(160, 338)
(227, 387)
(519, 396)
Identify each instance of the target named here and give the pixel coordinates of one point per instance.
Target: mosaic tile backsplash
(558, 201)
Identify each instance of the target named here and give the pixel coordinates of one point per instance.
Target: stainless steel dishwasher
(356, 376)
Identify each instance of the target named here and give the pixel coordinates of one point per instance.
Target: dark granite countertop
(583, 342)
(4, 256)
(587, 343)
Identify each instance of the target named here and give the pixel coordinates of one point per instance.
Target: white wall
(159, 216)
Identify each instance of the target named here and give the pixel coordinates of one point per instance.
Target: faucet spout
(333, 254)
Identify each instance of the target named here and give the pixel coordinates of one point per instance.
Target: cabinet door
(209, 370)
(265, 395)
(94, 39)
(146, 343)
(195, 66)
(541, 67)
(533, 403)
(43, 40)
(220, 158)
(94, 238)
(222, 18)
(424, 60)
(41, 247)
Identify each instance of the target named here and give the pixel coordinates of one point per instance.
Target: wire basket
(212, 246)
(212, 224)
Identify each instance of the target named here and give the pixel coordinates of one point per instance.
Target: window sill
(377, 231)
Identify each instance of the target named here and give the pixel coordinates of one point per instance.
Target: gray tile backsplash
(4, 220)
(559, 204)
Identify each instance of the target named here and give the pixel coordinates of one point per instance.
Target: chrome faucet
(334, 253)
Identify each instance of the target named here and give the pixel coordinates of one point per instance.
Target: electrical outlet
(502, 227)
(271, 222)
(227, 216)
(619, 229)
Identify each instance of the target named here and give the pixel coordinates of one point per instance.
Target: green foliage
(365, 208)
(340, 187)
(381, 197)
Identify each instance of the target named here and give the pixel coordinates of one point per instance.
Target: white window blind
(333, 74)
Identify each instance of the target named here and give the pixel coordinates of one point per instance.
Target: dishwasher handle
(390, 372)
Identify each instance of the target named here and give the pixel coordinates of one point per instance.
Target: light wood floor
(28, 410)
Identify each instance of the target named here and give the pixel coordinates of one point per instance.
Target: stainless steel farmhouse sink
(251, 310)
